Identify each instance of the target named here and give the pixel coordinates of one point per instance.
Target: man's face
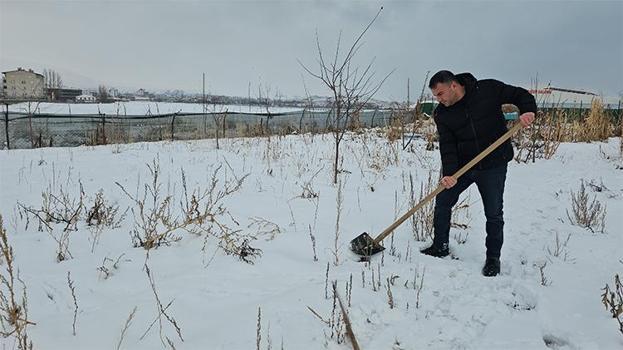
(447, 93)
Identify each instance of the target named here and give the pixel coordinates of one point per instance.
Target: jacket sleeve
(518, 96)
(448, 149)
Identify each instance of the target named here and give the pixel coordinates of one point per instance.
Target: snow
(216, 297)
(137, 108)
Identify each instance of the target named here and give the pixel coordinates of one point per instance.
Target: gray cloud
(168, 44)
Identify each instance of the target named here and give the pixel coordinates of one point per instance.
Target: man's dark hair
(443, 76)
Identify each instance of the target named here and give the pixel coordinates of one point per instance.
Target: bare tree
(351, 88)
(32, 108)
(102, 92)
(52, 80)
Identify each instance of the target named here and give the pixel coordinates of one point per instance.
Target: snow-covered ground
(287, 198)
(136, 108)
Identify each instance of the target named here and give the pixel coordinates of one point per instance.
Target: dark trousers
(490, 184)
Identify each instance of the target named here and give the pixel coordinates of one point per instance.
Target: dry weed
(587, 213)
(13, 307)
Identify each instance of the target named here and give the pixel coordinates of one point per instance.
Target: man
(469, 118)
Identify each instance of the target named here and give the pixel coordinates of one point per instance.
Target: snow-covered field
(287, 198)
(136, 108)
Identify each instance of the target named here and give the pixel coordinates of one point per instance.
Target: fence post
(104, 128)
(6, 125)
(172, 127)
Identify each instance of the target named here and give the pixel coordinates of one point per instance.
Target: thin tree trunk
(337, 157)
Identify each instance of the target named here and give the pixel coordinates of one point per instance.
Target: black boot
(438, 251)
(492, 267)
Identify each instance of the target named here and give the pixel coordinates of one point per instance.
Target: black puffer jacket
(472, 124)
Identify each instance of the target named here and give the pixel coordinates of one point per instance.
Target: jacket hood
(467, 80)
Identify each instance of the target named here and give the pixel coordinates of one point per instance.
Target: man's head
(446, 88)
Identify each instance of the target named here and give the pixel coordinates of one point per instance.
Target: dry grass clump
(612, 298)
(201, 212)
(552, 127)
(13, 307)
(597, 125)
(422, 220)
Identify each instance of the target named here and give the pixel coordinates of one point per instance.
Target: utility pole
(408, 93)
(6, 125)
(203, 101)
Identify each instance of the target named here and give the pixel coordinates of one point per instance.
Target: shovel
(366, 246)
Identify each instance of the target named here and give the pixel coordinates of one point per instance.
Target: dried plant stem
(70, 283)
(161, 309)
(127, 324)
(13, 312)
(258, 336)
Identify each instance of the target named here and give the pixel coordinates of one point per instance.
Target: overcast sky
(160, 45)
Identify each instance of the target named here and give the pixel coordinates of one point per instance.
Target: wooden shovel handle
(456, 175)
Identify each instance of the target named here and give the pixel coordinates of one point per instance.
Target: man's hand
(526, 119)
(448, 181)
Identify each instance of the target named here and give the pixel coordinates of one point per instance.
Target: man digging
(469, 118)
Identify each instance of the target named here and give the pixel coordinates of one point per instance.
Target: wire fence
(33, 130)
(24, 130)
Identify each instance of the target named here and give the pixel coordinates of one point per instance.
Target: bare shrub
(154, 224)
(63, 209)
(13, 307)
(612, 298)
(350, 87)
(102, 215)
(587, 213)
(203, 213)
(542, 139)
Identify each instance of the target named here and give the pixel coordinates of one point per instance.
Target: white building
(86, 98)
(22, 84)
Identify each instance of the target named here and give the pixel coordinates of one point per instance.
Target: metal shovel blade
(365, 246)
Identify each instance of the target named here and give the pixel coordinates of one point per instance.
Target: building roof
(23, 70)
